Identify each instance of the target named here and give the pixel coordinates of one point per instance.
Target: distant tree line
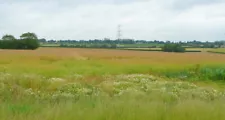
(154, 43)
(89, 46)
(97, 41)
(26, 41)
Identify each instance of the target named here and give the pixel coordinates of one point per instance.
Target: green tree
(8, 37)
(29, 41)
(31, 36)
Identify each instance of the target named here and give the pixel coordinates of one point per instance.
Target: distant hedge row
(26, 41)
(173, 48)
(90, 46)
(216, 52)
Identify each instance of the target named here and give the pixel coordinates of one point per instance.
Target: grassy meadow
(99, 84)
(208, 49)
(219, 51)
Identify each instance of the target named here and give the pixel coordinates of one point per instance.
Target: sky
(176, 20)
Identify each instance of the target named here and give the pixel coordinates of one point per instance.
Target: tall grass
(114, 109)
(198, 72)
(127, 97)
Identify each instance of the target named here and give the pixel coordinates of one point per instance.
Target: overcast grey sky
(96, 19)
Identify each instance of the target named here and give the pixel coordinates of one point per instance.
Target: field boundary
(216, 52)
(150, 50)
(158, 50)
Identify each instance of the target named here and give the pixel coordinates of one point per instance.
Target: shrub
(27, 42)
(173, 48)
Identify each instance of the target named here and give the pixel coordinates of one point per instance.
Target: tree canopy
(29, 35)
(27, 41)
(8, 37)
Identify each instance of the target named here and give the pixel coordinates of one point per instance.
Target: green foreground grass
(114, 109)
(121, 97)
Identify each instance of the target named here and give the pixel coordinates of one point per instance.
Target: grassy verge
(127, 97)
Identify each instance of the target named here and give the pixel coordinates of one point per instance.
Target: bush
(26, 43)
(173, 48)
(19, 44)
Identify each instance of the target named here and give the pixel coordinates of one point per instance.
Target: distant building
(106, 38)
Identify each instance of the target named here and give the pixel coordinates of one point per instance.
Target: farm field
(208, 49)
(141, 45)
(66, 83)
(50, 45)
(201, 49)
(219, 50)
(212, 50)
(144, 49)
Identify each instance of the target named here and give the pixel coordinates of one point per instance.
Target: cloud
(185, 4)
(96, 19)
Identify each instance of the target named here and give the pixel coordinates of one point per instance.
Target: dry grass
(208, 49)
(123, 56)
(200, 49)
